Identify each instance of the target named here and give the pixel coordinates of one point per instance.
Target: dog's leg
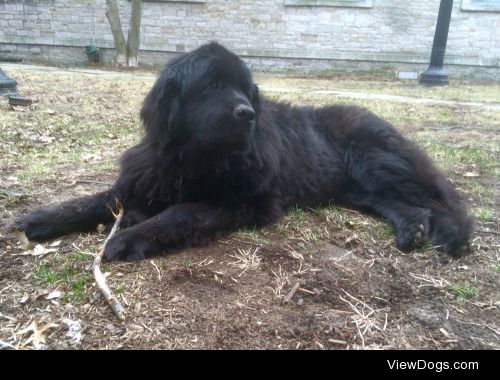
(77, 215)
(401, 184)
(451, 230)
(179, 226)
(447, 228)
(415, 225)
(411, 224)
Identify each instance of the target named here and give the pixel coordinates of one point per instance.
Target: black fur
(217, 157)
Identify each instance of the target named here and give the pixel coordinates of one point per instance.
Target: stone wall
(277, 34)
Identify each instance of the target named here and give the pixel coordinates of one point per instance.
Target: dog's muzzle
(244, 113)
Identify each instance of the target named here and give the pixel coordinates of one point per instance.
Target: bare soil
(319, 279)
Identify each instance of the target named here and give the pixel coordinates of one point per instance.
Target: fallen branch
(99, 276)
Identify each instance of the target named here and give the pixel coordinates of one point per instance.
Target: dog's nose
(244, 113)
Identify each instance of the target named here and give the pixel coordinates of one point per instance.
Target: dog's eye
(215, 85)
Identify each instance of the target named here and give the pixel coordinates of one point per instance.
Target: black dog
(217, 157)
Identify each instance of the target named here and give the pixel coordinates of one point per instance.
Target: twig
(488, 232)
(496, 331)
(307, 291)
(96, 268)
(291, 293)
(445, 128)
(92, 182)
(337, 341)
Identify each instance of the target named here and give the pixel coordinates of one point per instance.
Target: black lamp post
(435, 74)
(7, 85)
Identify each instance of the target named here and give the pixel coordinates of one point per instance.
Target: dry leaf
(53, 295)
(23, 239)
(445, 333)
(351, 238)
(12, 180)
(74, 330)
(40, 250)
(24, 298)
(471, 174)
(37, 331)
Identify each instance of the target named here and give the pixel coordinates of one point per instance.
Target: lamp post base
(7, 85)
(434, 76)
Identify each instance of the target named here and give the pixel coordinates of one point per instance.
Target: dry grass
(325, 278)
(246, 259)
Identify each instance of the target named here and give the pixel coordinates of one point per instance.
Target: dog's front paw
(126, 246)
(38, 226)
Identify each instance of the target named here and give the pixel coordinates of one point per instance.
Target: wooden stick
(291, 293)
(307, 291)
(96, 268)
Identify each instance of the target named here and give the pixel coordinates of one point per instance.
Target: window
(329, 3)
(481, 5)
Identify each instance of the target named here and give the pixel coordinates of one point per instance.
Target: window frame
(329, 3)
(475, 6)
(174, 1)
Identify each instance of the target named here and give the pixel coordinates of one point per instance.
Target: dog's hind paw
(412, 234)
(457, 250)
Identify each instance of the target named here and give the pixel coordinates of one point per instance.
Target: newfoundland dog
(216, 157)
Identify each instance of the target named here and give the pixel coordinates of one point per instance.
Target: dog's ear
(256, 101)
(160, 108)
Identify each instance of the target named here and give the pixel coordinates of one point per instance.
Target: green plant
(464, 291)
(483, 214)
(186, 263)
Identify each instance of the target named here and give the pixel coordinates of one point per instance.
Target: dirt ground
(325, 278)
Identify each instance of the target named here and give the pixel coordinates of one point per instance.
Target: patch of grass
(495, 268)
(70, 273)
(35, 169)
(383, 229)
(483, 214)
(332, 214)
(45, 273)
(119, 288)
(309, 235)
(478, 189)
(460, 90)
(408, 116)
(186, 263)
(296, 213)
(308, 250)
(448, 155)
(77, 285)
(251, 236)
(465, 291)
(11, 199)
(80, 256)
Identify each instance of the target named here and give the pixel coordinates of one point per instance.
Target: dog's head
(205, 98)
